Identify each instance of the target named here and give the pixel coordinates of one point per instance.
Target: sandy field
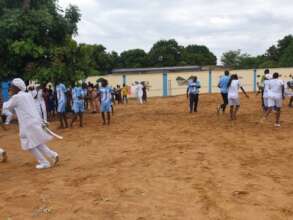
(157, 162)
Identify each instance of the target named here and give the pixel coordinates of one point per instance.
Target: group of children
(272, 91)
(30, 106)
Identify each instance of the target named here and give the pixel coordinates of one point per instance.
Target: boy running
(223, 86)
(276, 94)
(233, 96)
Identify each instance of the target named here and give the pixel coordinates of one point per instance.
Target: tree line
(37, 43)
(279, 55)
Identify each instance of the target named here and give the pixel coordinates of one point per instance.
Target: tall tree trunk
(26, 4)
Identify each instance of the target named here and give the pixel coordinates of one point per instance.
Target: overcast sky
(222, 25)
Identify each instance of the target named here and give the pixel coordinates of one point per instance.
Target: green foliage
(280, 55)
(32, 33)
(136, 58)
(198, 55)
(165, 53)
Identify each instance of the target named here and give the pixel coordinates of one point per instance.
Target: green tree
(165, 53)
(136, 58)
(286, 59)
(198, 55)
(231, 58)
(31, 32)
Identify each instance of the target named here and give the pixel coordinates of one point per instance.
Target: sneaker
(277, 125)
(55, 160)
(43, 166)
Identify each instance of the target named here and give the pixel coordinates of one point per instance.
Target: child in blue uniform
(223, 86)
(106, 101)
(78, 96)
(61, 107)
(193, 93)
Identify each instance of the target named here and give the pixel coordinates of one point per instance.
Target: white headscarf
(19, 83)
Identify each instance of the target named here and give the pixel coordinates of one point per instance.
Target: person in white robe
(139, 92)
(33, 137)
(8, 115)
(42, 104)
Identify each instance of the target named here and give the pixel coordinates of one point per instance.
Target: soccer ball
(3, 155)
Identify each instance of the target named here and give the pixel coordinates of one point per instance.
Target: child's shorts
(273, 102)
(234, 101)
(78, 107)
(105, 107)
(61, 107)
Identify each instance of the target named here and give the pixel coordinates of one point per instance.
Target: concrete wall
(156, 80)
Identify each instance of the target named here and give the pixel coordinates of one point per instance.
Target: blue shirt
(223, 84)
(105, 94)
(193, 87)
(61, 90)
(78, 92)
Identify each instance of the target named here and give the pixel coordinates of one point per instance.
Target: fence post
(254, 80)
(165, 84)
(210, 81)
(124, 79)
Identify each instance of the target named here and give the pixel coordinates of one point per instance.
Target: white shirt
(275, 88)
(30, 122)
(139, 90)
(233, 89)
(266, 88)
(40, 97)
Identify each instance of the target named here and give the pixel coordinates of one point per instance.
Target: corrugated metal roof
(156, 69)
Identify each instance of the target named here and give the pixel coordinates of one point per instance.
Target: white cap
(19, 83)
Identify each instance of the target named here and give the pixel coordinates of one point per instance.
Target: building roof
(156, 69)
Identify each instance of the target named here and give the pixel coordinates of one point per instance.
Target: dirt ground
(157, 162)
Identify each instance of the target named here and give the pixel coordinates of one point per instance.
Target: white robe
(139, 92)
(41, 105)
(7, 113)
(30, 123)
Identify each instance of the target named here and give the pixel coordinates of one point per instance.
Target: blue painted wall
(5, 92)
(124, 79)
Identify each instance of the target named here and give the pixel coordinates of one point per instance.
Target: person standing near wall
(193, 93)
(139, 92)
(125, 94)
(223, 86)
(144, 92)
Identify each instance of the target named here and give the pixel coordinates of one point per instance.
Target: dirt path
(157, 162)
